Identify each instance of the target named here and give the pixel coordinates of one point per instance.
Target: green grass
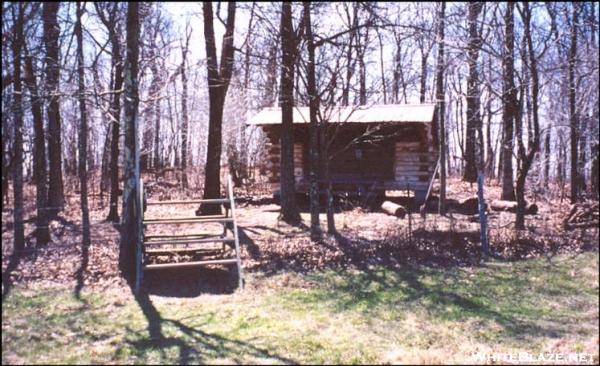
(412, 314)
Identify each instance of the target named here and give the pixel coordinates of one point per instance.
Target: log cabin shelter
(370, 148)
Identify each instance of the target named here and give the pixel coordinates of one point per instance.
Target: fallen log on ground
(469, 204)
(393, 209)
(583, 215)
(465, 206)
(476, 218)
(511, 206)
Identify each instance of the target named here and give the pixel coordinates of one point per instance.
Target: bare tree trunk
(147, 138)
(6, 168)
(39, 155)
(105, 159)
(573, 116)
(441, 112)
(315, 226)
(156, 161)
(324, 155)
(560, 164)
(289, 44)
(473, 118)
(115, 112)
(157, 73)
(397, 71)
(583, 132)
(423, 76)
(184, 114)
(17, 165)
(595, 173)
(381, 65)
(51, 33)
(131, 162)
(527, 156)
(362, 70)
(509, 104)
(218, 83)
(500, 168)
(490, 156)
(113, 213)
(85, 216)
(459, 132)
(350, 61)
(547, 149)
(175, 151)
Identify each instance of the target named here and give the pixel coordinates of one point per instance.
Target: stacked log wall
(273, 156)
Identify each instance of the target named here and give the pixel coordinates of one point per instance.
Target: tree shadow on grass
(245, 240)
(85, 258)
(410, 286)
(195, 345)
(7, 282)
(191, 281)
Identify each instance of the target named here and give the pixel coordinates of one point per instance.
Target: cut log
(511, 206)
(467, 206)
(393, 209)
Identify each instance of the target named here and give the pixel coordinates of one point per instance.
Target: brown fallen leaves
(267, 245)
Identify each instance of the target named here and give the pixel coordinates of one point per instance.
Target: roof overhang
(387, 113)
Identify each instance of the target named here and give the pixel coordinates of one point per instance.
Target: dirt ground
(268, 245)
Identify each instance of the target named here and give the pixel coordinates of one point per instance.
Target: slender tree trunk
(573, 116)
(527, 155)
(490, 157)
(362, 72)
(115, 110)
(175, 137)
(289, 208)
(85, 216)
(315, 226)
(423, 76)
(397, 70)
(459, 132)
(157, 163)
(17, 163)
(185, 118)
(560, 164)
(244, 141)
(39, 155)
(473, 117)
(382, 68)
(105, 160)
(131, 158)
(582, 160)
(509, 104)
(218, 83)
(547, 149)
(441, 112)
(51, 34)
(147, 138)
(350, 61)
(6, 166)
(325, 158)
